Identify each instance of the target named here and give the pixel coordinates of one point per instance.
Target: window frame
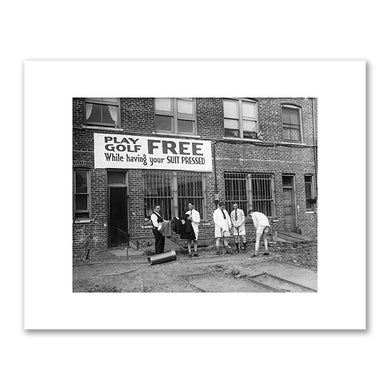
(176, 116)
(311, 207)
(271, 178)
(174, 196)
(241, 186)
(124, 174)
(95, 100)
(193, 199)
(164, 175)
(88, 193)
(250, 197)
(299, 109)
(241, 117)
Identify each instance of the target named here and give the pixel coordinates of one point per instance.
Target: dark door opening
(118, 228)
(289, 212)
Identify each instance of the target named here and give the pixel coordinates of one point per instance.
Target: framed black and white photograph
(222, 189)
(185, 190)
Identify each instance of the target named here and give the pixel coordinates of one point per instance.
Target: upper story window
(291, 119)
(240, 118)
(175, 115)
(102, 112)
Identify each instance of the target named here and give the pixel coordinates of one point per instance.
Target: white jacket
(259, 219)
(221, 222)
(240, 216)
(195, 219)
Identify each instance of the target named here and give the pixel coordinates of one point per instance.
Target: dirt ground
(288, 268)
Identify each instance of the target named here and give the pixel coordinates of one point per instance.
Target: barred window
(158, 191)
(291, 120)
(263, 193)
(81, 194)
(190, 188)
(102, 112)
(175, 115)
(236, 190)
(172, 191)
(251, 191)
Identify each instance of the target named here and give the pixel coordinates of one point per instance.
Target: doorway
(289, 206)
(117, 209)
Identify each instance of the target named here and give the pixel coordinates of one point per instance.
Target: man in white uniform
(194, 217)
(222, 225)
(262, 226)
(237, 217)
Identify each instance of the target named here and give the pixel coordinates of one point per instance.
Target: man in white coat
(237, 217)
(222, 225)
(262, 226)
(194, 217)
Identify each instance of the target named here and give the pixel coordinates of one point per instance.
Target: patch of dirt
(107, 273)
(300, 254)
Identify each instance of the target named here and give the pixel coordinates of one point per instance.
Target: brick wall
(137, 115)
(94, 234)
(209, 117)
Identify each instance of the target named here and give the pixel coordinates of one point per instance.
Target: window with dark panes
(309, 192)
(175, 115)
(116, 178)
(81, 194)
(102, 112)
(251, 191)
(172, 191)
(240, 118)
(291, 123)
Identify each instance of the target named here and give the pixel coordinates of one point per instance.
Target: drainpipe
(216, 197)
(314, 115)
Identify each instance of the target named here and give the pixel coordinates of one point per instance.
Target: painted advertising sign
(136, 152)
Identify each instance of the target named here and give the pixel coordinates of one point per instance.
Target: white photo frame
(340, 302)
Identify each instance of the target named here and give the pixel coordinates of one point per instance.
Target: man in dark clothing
(157, 221)
(184, 227)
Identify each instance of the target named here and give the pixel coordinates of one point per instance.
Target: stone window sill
(80, 221)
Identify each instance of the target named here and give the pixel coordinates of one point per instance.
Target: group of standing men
(223, 223)
(189, 230)
(236, 221)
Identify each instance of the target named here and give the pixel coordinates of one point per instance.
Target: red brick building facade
(264, 156)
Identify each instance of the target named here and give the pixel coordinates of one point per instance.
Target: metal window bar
(236, 191)
(262, 193)
(190, 188)
(172, 191)
(157, 191)
(251, 191)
